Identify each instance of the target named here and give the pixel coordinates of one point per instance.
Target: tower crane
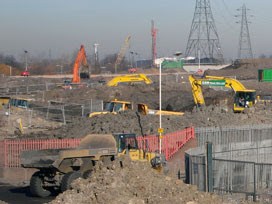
(121, 53)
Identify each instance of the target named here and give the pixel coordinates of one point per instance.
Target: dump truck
(59, 167)
(115, 106)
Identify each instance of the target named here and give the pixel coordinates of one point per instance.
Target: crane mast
(121, 53)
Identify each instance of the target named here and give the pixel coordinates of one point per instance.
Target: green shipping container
(172, 64)
(265, 75)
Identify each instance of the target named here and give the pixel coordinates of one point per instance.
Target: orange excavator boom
(81, 57)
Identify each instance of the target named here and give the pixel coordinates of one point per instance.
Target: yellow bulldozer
(59, 167)
(115, 106)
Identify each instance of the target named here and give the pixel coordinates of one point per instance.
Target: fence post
(193, 132)
(208, 167)
(82, 111)
(48, 110)
(30, 117)
(166, 148)
(46, 86)
(255, 183)
(5, 154)
(63, 115)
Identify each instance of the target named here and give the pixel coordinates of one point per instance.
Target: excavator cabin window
(245, 99)
(127, 141)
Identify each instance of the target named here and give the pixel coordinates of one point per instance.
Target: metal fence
(54, 111)
(10, 150)
(241, 163)
(35, 88)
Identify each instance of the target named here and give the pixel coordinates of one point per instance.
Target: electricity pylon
(245, 49)
(203, 42)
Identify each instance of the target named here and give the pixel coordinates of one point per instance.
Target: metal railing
(241, 163)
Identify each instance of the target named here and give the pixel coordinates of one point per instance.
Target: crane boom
(121, 53)
(81, 58)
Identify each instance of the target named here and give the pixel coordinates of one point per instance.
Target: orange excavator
(81, 58)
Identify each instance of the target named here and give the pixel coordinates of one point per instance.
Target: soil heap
(125, 181)
(141, 125)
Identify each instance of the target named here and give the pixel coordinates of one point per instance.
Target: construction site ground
(176, 96)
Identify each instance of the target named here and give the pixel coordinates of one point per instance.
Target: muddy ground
(136, 183)
(125, 181)
(176, 96)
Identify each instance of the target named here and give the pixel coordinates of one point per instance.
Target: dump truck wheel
(36, 186)
(68, 179)
(87, 173)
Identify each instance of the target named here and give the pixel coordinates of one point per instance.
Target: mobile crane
(244, 98)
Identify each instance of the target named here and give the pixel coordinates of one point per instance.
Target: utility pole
(154, 38)
(203, 37)
(96, 59)
(26, 60)
(245, 49)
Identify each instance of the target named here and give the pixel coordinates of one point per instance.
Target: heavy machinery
(133, 78)
(121, 53)
(58, 168)
(244, 98)
(81, 59)
(114, 107)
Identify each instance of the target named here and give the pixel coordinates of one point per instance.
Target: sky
(63, 25)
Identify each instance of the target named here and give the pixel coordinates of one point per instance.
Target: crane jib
(214, 82)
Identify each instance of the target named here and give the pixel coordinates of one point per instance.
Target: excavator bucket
(94, 141)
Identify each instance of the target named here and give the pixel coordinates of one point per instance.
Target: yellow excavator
(114, 107)
(129, 79)
(244, 98)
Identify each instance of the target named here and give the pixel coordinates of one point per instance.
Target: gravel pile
(125, 181)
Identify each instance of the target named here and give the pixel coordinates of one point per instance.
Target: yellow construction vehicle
(129, 79)
(58, 168)
(244, 98)
(143, 109)
(116, 106)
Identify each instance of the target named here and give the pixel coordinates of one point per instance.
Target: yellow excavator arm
(243, 97)
(196, 90)
(130, 79)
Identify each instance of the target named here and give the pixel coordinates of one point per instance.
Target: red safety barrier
(10, 150)
(171, 143)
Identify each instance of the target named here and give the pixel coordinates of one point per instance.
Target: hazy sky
(62, 25)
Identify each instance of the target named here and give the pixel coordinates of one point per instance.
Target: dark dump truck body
(59, 167)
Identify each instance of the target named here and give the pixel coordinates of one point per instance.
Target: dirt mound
(133, 122)
(243, 70)
(125, 181)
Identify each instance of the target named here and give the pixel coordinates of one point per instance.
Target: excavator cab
(127, 144)
(244, 99)
(117, 106)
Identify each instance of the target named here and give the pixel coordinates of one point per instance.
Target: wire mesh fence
(241, 164)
